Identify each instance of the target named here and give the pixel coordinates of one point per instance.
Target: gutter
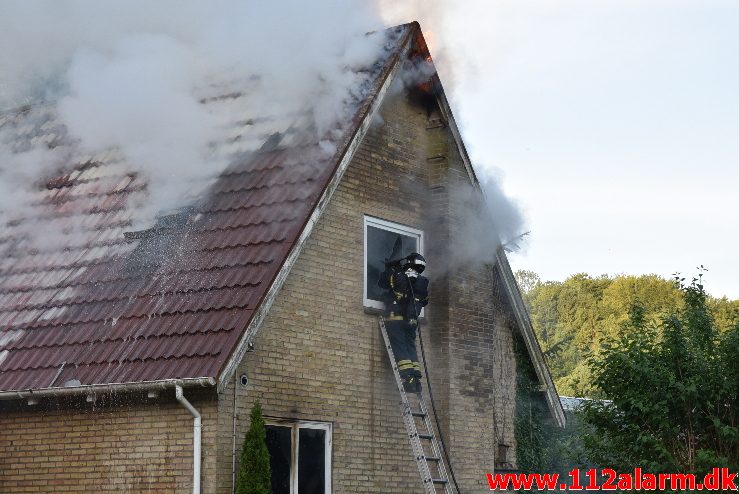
(113, 388)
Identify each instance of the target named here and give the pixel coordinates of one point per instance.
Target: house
(123, 352)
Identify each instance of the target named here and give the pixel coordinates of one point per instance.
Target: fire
(422, 60)
(430, 41)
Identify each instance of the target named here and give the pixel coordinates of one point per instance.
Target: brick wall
(71, 446)
(319, 355)
(472, 328)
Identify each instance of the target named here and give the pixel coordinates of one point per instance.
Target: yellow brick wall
(319, 355)
(70, 446)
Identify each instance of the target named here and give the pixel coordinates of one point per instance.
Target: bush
(674, 393)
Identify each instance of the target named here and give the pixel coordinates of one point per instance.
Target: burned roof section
(105, 300)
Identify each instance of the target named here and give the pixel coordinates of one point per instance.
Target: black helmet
(415, 261)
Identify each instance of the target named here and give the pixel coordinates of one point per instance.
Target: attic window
(384, 241)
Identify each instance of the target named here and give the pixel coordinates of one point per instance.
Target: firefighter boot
(411, 383)
(409, 380)
(417, 375)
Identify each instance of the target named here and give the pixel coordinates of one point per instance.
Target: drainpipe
(196, 440)
(233, 440)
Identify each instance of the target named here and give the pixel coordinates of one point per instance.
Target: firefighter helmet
(415, 261)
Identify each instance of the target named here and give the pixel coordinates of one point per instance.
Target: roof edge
(446, 110)
(529, 337)
(350, 149)
(112, 388)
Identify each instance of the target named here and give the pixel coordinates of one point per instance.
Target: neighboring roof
(572, 403)
(106, 305)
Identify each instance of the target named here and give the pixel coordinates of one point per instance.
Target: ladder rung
(432, 458)
(439, 481)
(418, 414)
(425, 436)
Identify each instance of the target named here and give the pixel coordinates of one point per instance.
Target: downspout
(196, 439)
(233, 440)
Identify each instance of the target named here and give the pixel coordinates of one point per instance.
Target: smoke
(172, 89)
(484, 226)
(148, 81)
(436, 17)
(500, 221)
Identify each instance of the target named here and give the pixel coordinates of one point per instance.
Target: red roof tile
(100, 307)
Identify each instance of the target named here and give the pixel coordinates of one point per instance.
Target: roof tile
(171, 302)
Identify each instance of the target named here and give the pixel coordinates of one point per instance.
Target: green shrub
(254, 470)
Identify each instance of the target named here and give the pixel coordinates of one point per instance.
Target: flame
(430, 41)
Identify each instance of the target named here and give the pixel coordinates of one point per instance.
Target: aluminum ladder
(419, 427)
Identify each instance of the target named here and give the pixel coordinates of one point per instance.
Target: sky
(613, 124)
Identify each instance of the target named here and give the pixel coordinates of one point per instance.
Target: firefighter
(407, 293)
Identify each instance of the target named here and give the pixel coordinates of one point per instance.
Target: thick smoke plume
(130, 78)
(133, 77)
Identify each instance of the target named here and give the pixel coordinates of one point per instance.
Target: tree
(572, 318)
(254, 470)
(673, 388)
(527, 280)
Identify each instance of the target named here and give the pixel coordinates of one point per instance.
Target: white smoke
(132, 77)
(484, 226)
(500, 222)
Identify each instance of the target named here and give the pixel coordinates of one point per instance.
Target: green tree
(673, 391)
(527, 280)
(572, 318)
(254, 470)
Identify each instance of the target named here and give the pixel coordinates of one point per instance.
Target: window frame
(295, 426)
(391, 227)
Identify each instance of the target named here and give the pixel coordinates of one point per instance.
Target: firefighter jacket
(405, 296)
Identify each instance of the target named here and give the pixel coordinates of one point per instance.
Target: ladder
(420, 430)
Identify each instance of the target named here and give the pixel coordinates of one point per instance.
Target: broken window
(385, 241)
(300, 457)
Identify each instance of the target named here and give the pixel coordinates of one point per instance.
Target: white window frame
(392, 227)
(295, 426)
